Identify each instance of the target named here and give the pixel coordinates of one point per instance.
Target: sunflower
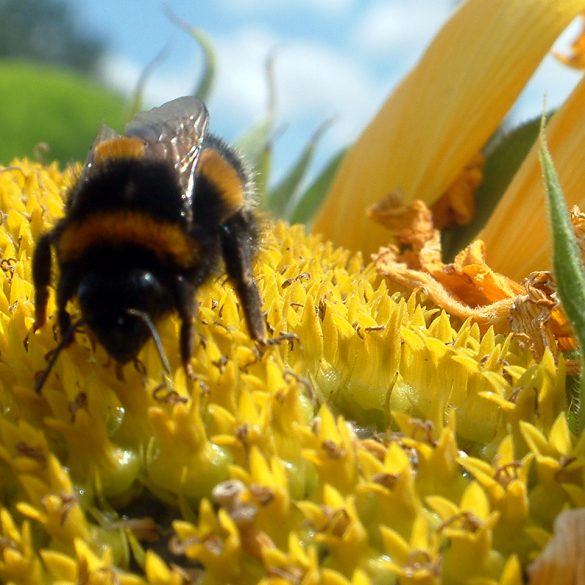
(412, 430)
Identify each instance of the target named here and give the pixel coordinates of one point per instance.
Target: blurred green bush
(41, 104)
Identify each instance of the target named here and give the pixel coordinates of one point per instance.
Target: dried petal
(563, 559)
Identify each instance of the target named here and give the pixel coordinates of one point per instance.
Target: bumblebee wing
(105, 133)
(174, 132)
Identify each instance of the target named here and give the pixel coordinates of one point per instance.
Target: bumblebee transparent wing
(174, 132)
(105, 133)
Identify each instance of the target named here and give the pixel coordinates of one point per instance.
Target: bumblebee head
(120, 309)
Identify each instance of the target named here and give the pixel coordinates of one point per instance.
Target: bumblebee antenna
(66, 340)
(155, 337)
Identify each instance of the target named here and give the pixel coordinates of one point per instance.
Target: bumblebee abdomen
(130, 184)
(119, 228)
(223, 185)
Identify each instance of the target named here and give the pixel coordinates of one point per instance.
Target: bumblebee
(150, 218)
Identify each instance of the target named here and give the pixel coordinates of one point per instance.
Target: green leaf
(307, 205)
(262, 167)
(252, 144)
(284, 192)
(256, 144)
(136, 102)
(568, 271)
(504, 157)
(203, 88)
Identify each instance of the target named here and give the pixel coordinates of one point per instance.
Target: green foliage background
(41, 104)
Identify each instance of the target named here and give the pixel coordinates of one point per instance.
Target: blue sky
(335, 58)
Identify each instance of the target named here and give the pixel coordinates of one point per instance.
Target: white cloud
(319, 81)
(400, 26)
(123, 75)
(314, 82)
(119, 72)
(241, 89)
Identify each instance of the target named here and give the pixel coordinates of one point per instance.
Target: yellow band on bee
(225, 178)
(117, 228)
(120, 147)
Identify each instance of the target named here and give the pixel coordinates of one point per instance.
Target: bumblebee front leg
(238, 245)
(65, 290)
(186, 305)
(41, 273)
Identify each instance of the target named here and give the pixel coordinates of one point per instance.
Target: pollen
(377, 438)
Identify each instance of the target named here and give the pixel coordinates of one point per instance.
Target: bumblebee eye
(147, 281)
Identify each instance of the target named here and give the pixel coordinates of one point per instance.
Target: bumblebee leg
(41, 273)
(66, 340)
(186, 307)
(65, 291)
(238, 245)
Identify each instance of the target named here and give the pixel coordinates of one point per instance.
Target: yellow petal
(517, 235)
(443, 112)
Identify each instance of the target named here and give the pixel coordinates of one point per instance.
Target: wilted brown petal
(563, 560)
(457, 205)
(468, 287)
